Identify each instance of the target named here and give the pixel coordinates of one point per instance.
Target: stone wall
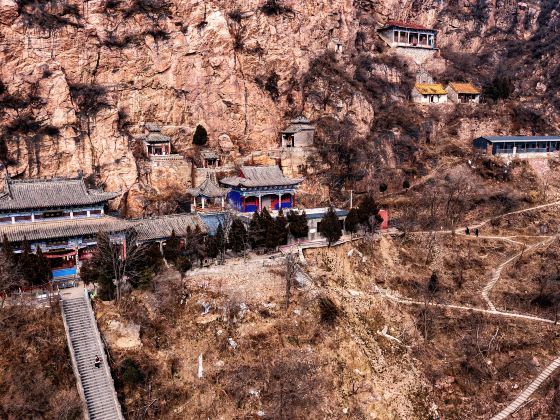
(418, 55)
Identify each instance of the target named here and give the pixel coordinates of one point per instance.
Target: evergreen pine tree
(212, 248)
(281, 229)
(298, 224)
(352, 221)
(200, 136)
(433, 283)
(257, 232)
(7, 249)
(237, 238)
(270, 229)
(368, 213)
(42, 267)
(171, 250)
(220, 239)
(330, 226)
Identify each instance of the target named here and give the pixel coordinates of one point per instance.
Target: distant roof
(50, 193)
(318, 213)
(161, 227)
(153, 127)
(154, 137)
(209, 189)
(260, 176)
(209, 154)
(154, 134)
(63, 228)
(507, 139)
(468, 88)
(299, 124)
(405, 25)
(430, 89)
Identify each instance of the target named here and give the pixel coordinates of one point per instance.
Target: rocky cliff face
(78, 77)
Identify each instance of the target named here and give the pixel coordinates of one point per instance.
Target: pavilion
(208, 195)
(258, 187)
(406, 34)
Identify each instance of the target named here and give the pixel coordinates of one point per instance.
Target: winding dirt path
(550, 369)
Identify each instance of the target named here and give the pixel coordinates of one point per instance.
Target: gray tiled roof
(260, 176)
(51, 193)
(154, 138)
(63, 228)
(152, 127)
(162, 226)
(209, 154)
(299, 124)
(208, 189)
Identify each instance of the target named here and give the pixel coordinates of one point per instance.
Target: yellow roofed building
(461, 93)
(429, 93)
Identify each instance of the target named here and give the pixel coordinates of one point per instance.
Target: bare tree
(10, 279)
(122, 256)
(291, 268)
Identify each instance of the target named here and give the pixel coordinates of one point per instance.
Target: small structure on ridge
(406, 34)
(429, 93)
(520, 146)
(463, 93)
(155, 143)
(299, 133)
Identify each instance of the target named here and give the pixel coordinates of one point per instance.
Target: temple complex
(257, 187)
(61, 216)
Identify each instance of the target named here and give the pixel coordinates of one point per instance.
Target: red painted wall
(385, 215)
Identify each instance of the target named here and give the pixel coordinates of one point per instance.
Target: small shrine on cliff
(155, 143)
(406, 34)
(300, 133)
(257, 187)
(210, 159)
(409, 39)
(463, 93)
(429, 93)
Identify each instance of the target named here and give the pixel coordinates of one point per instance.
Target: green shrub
(131, 373)
(200, 137)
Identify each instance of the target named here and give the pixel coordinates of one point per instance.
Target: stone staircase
(95, 385)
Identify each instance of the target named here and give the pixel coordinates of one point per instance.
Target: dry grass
(36, 377)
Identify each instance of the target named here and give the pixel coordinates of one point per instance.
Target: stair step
(84, 341)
